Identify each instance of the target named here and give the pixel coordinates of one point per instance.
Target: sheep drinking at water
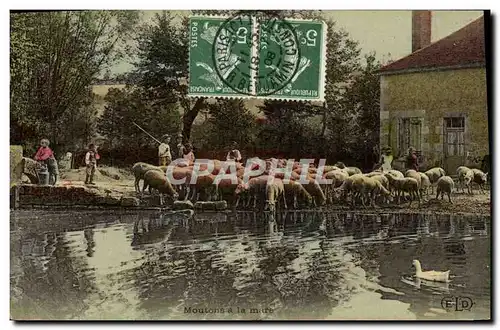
(275, 192)
(409, 185)
(294, 192)
(154, 179)
(139, 169)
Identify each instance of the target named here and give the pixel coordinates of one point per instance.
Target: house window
(454, 131)
(410, 134)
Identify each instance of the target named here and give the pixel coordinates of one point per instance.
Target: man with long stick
(164, 155)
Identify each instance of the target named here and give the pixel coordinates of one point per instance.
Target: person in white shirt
(234, 153)
(386, 158)
(164, 154)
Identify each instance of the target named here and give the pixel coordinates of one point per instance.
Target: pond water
(297, 265)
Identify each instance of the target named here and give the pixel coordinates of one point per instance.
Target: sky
(383, 32)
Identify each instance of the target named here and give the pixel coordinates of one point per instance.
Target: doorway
(454, 143)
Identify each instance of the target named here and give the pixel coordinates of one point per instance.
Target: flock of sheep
(301, 187)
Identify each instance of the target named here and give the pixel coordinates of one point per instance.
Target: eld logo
(457, 303)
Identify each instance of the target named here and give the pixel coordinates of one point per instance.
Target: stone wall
(34, 195)
(432, 96)
(16, 165)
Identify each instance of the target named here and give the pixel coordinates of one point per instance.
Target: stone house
(435, 98)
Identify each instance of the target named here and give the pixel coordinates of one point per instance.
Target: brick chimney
(420, 29)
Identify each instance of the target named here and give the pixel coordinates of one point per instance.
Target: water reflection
(244, 265)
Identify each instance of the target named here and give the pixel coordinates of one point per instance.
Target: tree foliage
(55, 57)
(163, 66)
(230, 121)
(333, 129)
(362, 99)
(125, 106)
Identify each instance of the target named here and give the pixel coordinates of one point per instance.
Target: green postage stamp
(258, 56)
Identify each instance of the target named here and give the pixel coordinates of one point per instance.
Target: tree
(341, 64)
(125, 106)
(230, 121)
(163, 61)
(362, 97)
(163, 66)
(55, 57)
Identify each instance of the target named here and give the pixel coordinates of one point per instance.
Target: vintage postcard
(250, 165)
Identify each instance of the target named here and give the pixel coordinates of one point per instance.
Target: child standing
(91, 163)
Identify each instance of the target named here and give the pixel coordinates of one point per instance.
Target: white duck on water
(431, 275)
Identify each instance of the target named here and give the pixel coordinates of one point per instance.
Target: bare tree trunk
(325, 111)
(188, 119)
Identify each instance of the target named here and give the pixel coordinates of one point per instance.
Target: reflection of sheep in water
(158, 227)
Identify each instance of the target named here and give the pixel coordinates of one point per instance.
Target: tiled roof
(464, 47)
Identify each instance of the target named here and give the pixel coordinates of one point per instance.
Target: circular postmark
(256, 53)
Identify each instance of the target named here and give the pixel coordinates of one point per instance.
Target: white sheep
(338, 177)
(446, 185)
(480, 178)
(434, 174)
(425, 184)
(409, 185)
(373, 188)
(274, 191)
(465, 177)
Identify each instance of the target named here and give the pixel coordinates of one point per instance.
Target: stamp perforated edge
(202, 95)
(322, 75)
(323, 60)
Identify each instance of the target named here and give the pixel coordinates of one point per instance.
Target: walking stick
(142, 129)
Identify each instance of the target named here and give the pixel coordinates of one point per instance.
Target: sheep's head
(241, 188)
(389, 198)
(270, 206)
(467, 180)
(389, 177)
(340, 165)
(309, 200)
